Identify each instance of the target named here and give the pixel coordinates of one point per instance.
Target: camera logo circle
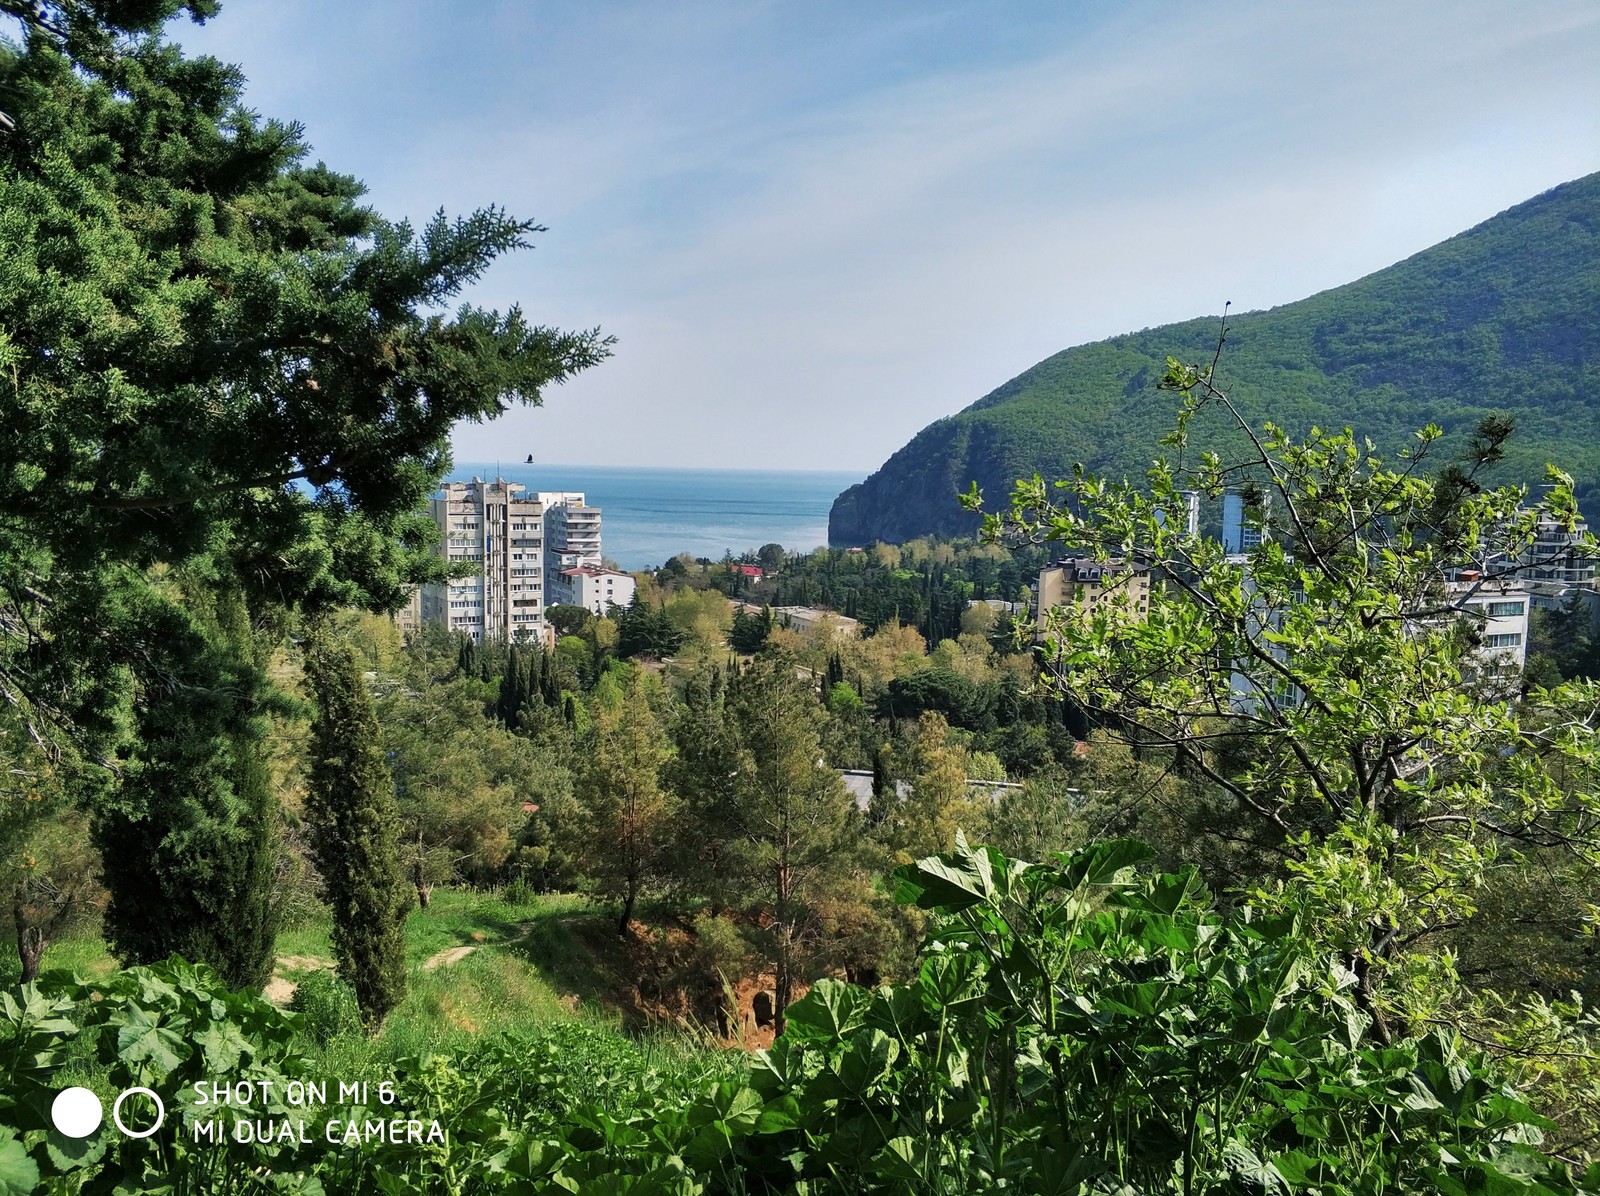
(116, 1113)
(76, 1112)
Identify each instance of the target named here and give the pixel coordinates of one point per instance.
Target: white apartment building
(1556, 565)
(500, 530)
(595, 589)
(1500, 610)
(523, 546)
(572, 531)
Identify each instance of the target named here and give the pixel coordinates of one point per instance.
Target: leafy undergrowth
(526, 968)
(1077, 1027)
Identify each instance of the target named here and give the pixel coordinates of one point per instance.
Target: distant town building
(518, 544)
(748, 570)
(1236, 535)
(1245, 687)
(572, 530)
(1501, 610)
(595, 589)
(1086, 584)
(999, 605)
(1556, 567)
(409, 617)
(1191, 518)
(809, 618)
(500, 530)
(858, 784)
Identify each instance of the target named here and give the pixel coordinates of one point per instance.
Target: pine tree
(354, 822)
(703, 774)
(793, 811)
(621, 793)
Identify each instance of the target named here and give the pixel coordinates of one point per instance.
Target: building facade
(572, 531)
(595, 589)
(1237, 536)
(1556, 566)
(1085, 584)
(1499, 610)
(499, 530)
(807, 619)
(522, 546)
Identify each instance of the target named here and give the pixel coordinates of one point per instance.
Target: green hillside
(1504, 317)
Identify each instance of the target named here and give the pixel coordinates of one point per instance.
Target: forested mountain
(1504, 317)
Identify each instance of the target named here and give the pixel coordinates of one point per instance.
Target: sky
(815, 227)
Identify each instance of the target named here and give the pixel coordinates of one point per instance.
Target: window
(1503, 609)
(1511, 639)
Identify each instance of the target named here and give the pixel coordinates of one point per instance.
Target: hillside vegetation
(1503, 318)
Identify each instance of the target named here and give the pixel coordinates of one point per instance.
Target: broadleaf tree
(1331, 681)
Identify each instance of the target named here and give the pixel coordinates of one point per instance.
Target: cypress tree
(354, 822)
(550, 682)
(188, 848)
(513, 689)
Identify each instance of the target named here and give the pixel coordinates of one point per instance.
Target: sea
(649, 516)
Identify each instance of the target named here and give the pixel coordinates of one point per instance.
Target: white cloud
(813, 231)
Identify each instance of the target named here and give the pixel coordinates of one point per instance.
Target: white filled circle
(77, 1112)
(116, 1113)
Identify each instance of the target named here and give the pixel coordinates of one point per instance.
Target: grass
(516, 976)
(551, 945)
(533, 964)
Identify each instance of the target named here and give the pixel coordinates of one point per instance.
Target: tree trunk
(783, 985)
(627, 909)
(419, 873)
(31, 942)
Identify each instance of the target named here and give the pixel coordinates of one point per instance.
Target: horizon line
(667, 468)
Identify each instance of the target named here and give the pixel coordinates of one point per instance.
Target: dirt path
(280, 991)
(446, 958)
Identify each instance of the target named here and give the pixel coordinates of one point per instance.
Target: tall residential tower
(500, 530)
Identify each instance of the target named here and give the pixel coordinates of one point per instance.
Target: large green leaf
(947, 882)
(19, 1175)
(828, 1012)
(1168, 893)
(142, 1039)
(1105, 865)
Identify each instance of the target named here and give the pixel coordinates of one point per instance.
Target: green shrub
(519, 892)
(328, 1006)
